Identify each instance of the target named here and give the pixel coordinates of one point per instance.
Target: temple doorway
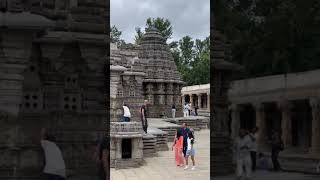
(273, 119)
(247, 117)
(301, 124)
(187, 98)
(126, 149)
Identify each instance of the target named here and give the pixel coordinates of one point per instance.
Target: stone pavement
(275, 176)
(162, 167)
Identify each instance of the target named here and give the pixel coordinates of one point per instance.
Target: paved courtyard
(275, 176)
(162, 167)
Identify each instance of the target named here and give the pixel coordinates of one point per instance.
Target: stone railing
(119, 128)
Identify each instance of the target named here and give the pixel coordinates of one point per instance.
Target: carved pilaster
(235, 120)
(286, 125)
(199, 100)
(315, 142)
(261, 124)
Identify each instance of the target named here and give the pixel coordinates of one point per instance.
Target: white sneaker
(193, 168)
(185, 168)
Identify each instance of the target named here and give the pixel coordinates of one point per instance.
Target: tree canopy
(271, 36)
(192, 56)
(163, 25)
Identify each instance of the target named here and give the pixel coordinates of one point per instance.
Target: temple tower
(163, 84)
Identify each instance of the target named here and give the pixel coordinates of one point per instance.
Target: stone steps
(296, 164)
(149, 145)
(171, 132)
(161, 138)
(127, 163)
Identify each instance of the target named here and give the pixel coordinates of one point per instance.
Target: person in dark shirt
(143, 113)
(276, 147)
(185, 133)
(196, 110)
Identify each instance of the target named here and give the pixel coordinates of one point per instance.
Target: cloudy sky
(188, 17)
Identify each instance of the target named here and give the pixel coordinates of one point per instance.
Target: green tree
(138, 36)
(163, 25)
(272, 36)
(115, 35)
(187, 52)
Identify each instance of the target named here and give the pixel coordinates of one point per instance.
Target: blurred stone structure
(52, 74)
(221, 142)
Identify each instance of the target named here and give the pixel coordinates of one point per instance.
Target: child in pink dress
(178, 145)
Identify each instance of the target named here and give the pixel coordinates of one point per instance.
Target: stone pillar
(261, 124)
(235, 120)
(118, 149)
(208, 102)
(315, 142)
(199, 100)
(191, 99)
(286, 125)
(183, 99)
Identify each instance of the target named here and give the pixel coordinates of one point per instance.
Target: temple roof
(157, 58)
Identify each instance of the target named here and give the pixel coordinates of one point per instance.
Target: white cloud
(188, 17)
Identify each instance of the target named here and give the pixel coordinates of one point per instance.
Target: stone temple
(52, 74)
(140, 72)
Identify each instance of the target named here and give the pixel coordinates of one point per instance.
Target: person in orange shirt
(177, 146)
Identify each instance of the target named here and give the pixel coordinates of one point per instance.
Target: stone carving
(221, 140)
(53, 78)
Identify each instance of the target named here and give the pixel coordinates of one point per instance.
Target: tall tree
(187, 51)
(115, 35)
(138, 36)
(163, 25)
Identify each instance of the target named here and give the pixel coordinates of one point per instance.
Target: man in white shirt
(126, 113)
(242, 148)
(185, 110)
(254, 148)
(55, 168)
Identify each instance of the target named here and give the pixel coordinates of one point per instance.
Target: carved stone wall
(51, 75)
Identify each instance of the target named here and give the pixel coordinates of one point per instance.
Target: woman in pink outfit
(177, 146)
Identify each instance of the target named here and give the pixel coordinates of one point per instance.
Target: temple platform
(163, 125)
(195, 122)
(161, 138)
(297, 162)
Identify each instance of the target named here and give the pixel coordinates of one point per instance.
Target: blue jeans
(126, 119)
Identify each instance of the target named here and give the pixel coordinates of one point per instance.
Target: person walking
(126, 113)
(254, 147)
(190, 151)
(242, 147)
(196, 110)
(276, 146)
(54, 168)
(143, 114)
(185, 133)
(189, 109)
(177, 147)
(173, 109)
(185, 110)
